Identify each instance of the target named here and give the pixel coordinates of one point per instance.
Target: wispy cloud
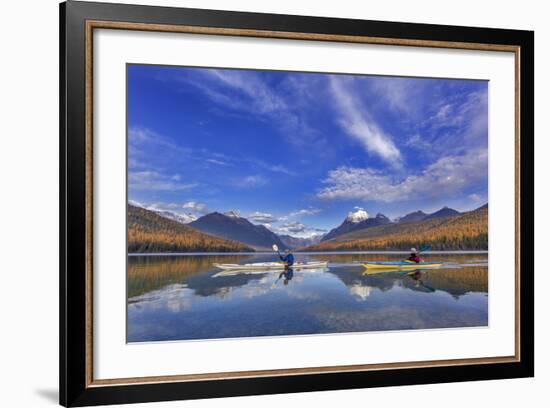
(357, 122)
(142, 141)
(459, 123)
(446, 177)
(251, 96)
(418, 142)
(251, 90)
(263, 218)
(155, 181)
(164, 206)
(218, 162)
(305, 212)
(251, 181)
(275, 168)
(298, 229)
(196, 207)
(399, 94)
(142, 136)
(236, 90)
(298, 214)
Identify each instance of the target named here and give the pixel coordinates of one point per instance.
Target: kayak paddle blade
(275, 248)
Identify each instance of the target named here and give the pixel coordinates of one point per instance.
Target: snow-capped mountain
(356, 220)
(357, 216)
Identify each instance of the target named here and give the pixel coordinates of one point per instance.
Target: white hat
(413, 250)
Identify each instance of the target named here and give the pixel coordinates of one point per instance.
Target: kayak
(236, 272)
(270, 266)
(401, 265)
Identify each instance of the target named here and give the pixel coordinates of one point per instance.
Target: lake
(178, 297)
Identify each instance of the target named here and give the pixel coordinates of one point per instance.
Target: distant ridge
(232, 226)
(444, 212)
(413, 217)
(295, 242)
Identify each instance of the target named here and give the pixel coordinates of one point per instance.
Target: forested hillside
(467, 231)
(149, 232)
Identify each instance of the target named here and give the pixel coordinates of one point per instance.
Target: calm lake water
(178, 297)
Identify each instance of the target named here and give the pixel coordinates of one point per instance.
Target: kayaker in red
(414, 256)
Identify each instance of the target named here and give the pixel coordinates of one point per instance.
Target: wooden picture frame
(78, 20)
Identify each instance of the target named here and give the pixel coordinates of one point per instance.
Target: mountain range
(445, 229)
(412, 217)
(151, 232)
(231, 226)
(355, 223)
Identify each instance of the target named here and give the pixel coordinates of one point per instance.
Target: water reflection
(184, 297)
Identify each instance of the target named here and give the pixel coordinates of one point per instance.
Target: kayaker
(288, 259)
(414, 256)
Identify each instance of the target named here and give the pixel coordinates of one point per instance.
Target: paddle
(275, 283)
(424, 248)
(276, 248)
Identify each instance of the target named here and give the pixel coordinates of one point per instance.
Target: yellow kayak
(401, 265)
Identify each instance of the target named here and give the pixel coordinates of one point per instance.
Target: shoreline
(464, 252)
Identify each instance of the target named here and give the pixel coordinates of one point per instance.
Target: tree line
(149, 232)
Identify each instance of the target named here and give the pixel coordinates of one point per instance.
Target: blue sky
(298, 151)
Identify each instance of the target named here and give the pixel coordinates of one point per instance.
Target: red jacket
(414, 258)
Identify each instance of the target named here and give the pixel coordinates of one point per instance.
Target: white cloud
(139, 136)
(218, 162)
(357, 123)
(237, 91)
(443, 112)
(200, 208)
(398, 93)
(276, 168)
(264, 218)
(155, 181)
(247, 95)
(251, 88)
(460, 123)
(418, 142)
(446, 177)
(477, 198)
(251, 181)
(305, 212)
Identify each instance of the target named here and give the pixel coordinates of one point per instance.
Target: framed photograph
(255, 203)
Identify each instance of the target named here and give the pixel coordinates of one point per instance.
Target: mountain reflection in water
(177, 297)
